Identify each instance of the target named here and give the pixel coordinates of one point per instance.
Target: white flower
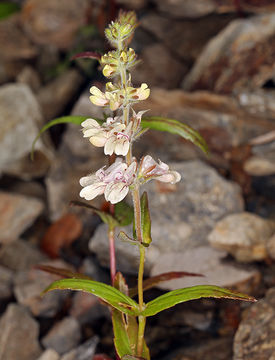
(118, 140)
(113, 135)
(113, 182)
(150, 169)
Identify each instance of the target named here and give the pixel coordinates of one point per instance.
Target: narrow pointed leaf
(107, 293)
(124, 237)
(65, 273)
(77, 120)
(155, 280)
(175, 297)
(175, 127)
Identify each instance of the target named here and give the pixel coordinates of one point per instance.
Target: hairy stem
(111, 236)
(141, 328)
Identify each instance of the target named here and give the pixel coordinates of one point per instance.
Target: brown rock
(54, 97)
(254, 339)
(30, 77)
(187, 8)
(242, 64)
(6, 276)
(243, 235)
(17, 213)
(18, 48)
(185, 38)
(19, 335)
(162, 68)
(133, 4)
(54, 22)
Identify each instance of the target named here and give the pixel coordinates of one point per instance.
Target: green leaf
(124, 213)
(145, 220)
(104, 216)
(175, 127)
(107, 293)
(7, 8)
(125, 327)
(124, 237)
(155, 280)
(191, 293)
(77, 120)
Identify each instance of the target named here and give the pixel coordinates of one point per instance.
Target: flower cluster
(113, 60)
(114, 182)
(113, 135)
(116, 96)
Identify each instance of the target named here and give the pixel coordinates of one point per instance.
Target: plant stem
(111, 236)
(141, 328)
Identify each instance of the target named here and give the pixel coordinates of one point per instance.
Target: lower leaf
(175, 297)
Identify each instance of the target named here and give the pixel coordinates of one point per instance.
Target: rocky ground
(210, 64)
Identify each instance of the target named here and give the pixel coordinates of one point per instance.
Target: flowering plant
(126, 175)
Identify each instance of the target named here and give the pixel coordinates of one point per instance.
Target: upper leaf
(175, 127)
(77, 120)
(105, 292)
(191, 293)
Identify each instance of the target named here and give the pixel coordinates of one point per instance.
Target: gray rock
(28, 286)
(53, 22)
(259, 102)
(63, 336)
(271, 247)
(15, 148)
(85, 351)
(49, 354)
(243, 235)
(182, 215)
(20, 255)
(6, 276)
(208, 262)
(56, 95)
(17, 213)
(254, 339)
(19, 335)
(241, 64)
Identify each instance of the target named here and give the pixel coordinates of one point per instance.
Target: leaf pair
(151, 122)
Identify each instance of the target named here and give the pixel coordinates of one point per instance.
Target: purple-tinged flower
(113, 182)
(150, 169)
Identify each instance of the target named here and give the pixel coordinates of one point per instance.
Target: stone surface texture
(245, 41)
(63, 336)
(254, 339)
(15, 148)
(17, 213)
(19, 335)
(243, 235)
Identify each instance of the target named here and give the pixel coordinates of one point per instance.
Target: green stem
(141, 328)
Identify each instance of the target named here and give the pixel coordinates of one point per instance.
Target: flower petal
(91, 191)
(115, 192)
(110, 146)
(90, 123)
